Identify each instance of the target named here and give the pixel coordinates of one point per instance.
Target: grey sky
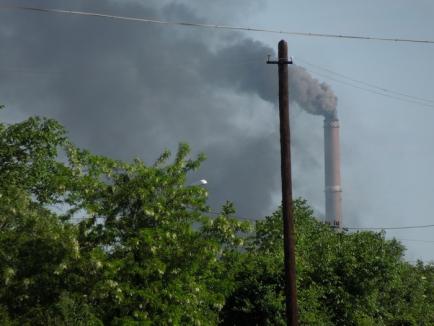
(132, 90)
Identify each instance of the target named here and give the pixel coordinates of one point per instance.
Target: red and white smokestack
(333, 190)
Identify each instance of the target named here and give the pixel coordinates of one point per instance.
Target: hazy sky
(129, 89)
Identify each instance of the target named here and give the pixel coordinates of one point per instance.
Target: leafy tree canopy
(145, 252)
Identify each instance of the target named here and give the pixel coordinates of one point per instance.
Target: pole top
(282, 55)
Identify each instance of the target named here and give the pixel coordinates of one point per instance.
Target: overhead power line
(380, 88)
(392, 228)
(396, 97)
(416, 240)
(345, 228)
(216, 26)
(351, 228)
(28, 71)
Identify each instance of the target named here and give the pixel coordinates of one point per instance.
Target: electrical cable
(371, 90)
(28, 71)
(391, 228)
(417, 101)
(215, 26)
(355, 228)
(344, 228)
(416, 240)
(365, 83)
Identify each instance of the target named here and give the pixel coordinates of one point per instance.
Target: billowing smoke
(128, 90)
(313, 96)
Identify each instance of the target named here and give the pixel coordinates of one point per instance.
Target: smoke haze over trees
(131, 89)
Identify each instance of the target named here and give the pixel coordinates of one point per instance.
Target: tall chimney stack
(333, 190)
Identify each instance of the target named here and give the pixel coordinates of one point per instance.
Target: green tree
(342, 278)
(144, 251)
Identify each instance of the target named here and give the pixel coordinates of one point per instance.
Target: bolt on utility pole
(287, 209)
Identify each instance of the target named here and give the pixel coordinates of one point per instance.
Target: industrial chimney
(318, 98)
(333, 190)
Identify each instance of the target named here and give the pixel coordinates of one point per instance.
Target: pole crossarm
(280, 61)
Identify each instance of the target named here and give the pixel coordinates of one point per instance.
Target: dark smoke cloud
(127, 90)
(313, 96)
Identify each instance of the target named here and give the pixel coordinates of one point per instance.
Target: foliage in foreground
(145, 252)
(342, 278)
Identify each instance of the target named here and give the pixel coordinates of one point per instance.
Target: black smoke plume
(126, 89)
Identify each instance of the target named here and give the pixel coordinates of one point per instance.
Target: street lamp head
(201, 182)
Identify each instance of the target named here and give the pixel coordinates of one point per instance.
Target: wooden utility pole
(287, 209)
